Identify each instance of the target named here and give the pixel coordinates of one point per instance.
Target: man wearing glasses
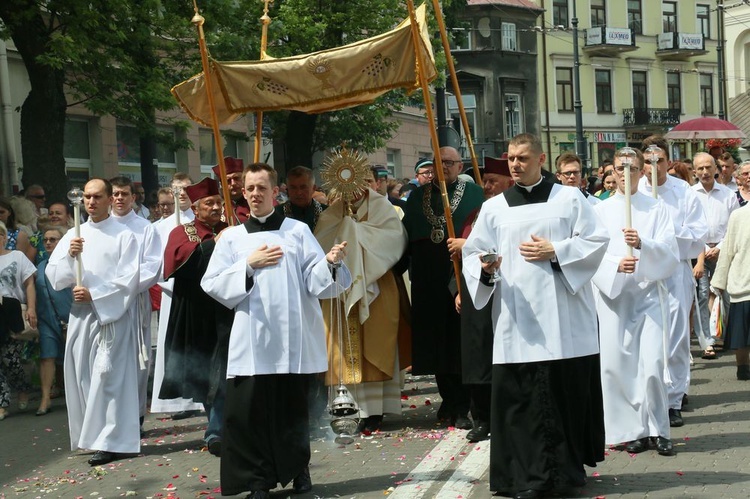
(436, 326)
(569, 173)
(35, 194)
(424, 171)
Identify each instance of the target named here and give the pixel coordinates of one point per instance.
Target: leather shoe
(258, 494)
(214, 447)
(481, 431)
(177, 416)
(637, 446)
(675, 418)
(664, 446)
(302, 483)
(463, 423)
(101, 457)
(743, 372)
(528, 494)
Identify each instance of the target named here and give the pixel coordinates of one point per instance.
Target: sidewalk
(410, 458)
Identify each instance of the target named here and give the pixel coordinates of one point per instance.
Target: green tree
(117, 57)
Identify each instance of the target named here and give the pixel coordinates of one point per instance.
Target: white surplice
(634, 320)
(151, 256)
(102, 403)
(162, 228)
(278, 323)
(691, 230)
(540, 314)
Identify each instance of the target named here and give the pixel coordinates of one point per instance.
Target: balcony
(650, 117)
(680, 46)
(609, 41)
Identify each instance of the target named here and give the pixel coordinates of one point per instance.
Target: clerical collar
(529, 188)
(263, 218)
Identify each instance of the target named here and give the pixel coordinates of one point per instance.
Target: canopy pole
(457, 91)
(198, 21)
(433, 132)
(266, 20)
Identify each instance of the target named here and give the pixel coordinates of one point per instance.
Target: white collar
(530, 187)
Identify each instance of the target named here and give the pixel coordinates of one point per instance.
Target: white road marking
(425, 475)
(471, 470)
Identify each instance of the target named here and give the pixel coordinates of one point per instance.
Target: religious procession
(552, 312)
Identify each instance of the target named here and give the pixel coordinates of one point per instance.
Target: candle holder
(75, 196)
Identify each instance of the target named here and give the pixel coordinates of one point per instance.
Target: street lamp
(577, 106)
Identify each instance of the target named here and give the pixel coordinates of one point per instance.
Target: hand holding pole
(75, 196)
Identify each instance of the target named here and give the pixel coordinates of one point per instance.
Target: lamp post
(577, 105)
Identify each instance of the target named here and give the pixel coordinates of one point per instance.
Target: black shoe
(685, 401)
(637, 446)
(258, 494)
(302, 483)
(184, 415)
(481, 431)
(528, 494)
(675, 418)
(101, 457)
(373, 423)
(214, 447)
(664, 446)
(743, 372)
(462, 423)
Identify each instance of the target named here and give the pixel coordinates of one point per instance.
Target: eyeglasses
(50, 239)
(744, 174)
(449, 162)
(621, 169)
(428, 173)
(165, 205)
(570, 174)
(38, 196)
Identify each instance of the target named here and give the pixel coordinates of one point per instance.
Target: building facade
(645, 66)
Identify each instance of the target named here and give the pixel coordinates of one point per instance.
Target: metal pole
(577, 105)
(720, 54)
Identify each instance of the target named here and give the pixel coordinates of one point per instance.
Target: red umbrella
(705, 128)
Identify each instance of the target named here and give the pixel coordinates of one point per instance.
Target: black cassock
(194, 358)
(266, 437)
(547, 418)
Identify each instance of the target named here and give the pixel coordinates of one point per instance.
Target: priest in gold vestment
(374, 311)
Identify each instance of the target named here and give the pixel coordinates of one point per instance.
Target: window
(704, 21)
(470, 107)
(640, 91)
(461, 39)
(393, 161)
(510, 42)
(674, 91)
(564, 83)
(76, 146)
(129, 146)
(208, 150)
(635, 16)
(603, 79)
(598, 13)
(560, 13)
(669, 17)
(513, 115)
(707, 94)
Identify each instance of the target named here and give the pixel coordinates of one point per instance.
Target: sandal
(709, 354)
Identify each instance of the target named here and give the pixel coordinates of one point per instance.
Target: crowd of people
(554, 312)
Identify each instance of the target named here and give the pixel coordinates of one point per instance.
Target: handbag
(28, 334)
(63, 324)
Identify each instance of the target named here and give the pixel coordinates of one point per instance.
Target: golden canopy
(323, 81)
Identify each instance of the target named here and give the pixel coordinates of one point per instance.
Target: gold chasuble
(372, 310)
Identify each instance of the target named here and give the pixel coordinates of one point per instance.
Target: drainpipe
(9, 163)
(546, 93)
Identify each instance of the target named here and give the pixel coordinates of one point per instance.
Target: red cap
(203, 189)
(497, 165)
(232, 165)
